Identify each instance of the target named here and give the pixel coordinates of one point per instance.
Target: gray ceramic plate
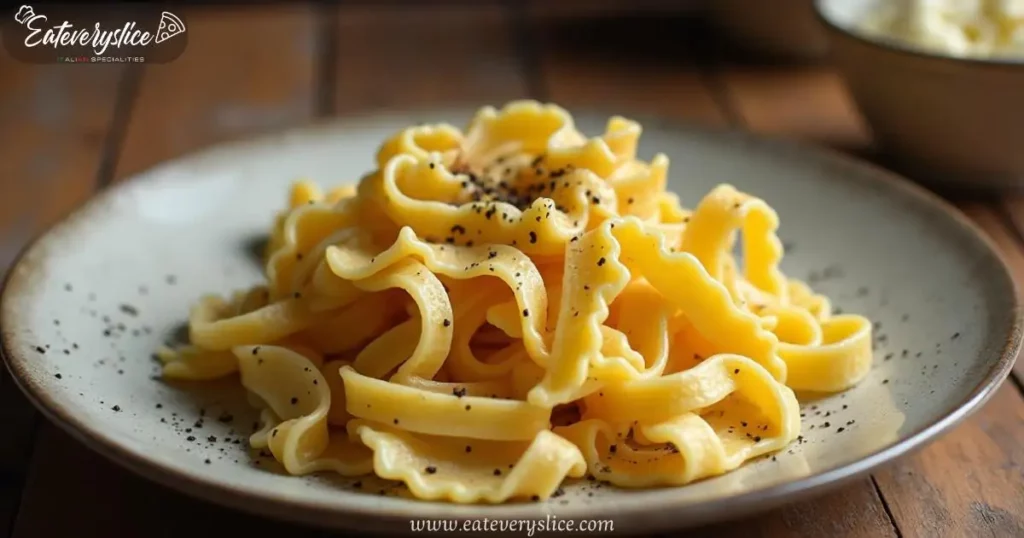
(105, 287)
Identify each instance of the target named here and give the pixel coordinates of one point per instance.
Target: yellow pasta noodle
(490, 312)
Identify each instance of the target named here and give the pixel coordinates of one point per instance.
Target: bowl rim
(898, 47)
(395, 519)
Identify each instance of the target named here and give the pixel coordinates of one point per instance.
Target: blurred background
(255, 68)
(771, 67)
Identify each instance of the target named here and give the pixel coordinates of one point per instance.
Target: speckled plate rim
(636, 516)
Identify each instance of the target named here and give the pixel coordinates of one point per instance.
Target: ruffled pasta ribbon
(488, 313)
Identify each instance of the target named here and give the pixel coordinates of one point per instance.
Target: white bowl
(941, 119)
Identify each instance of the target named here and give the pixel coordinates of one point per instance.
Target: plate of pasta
(498, 313)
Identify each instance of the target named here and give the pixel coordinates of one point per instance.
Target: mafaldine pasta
(493, 311)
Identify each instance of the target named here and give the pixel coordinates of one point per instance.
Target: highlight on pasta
(493, 311)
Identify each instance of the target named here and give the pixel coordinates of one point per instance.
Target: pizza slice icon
(170, 26)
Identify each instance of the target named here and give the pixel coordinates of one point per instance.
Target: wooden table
(68, 131)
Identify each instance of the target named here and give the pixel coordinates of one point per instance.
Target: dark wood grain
(228, 84)
(854, 511)
(618, 8)
(969, 483)
(412, 57)
(72, 491)
(628, 65)
(55, 125)
(20, 420)
(245, 72)
(54, 122)
(808, 103)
